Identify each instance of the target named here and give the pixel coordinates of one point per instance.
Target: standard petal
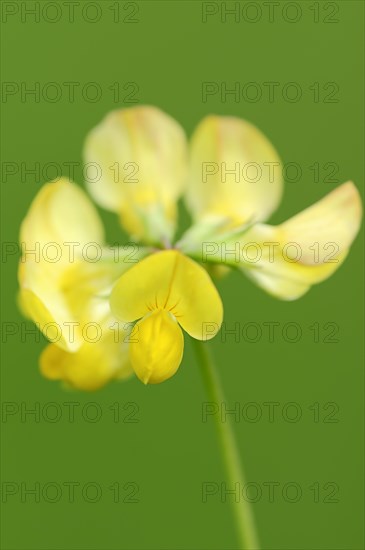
(93, 365)
(60, 213)
(306, 249)
(156, 347)
(169, 280)
(235, 172)
(141, 154)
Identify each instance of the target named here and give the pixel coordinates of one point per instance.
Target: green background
(170, 452)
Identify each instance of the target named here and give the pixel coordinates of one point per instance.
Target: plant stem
(244, 519)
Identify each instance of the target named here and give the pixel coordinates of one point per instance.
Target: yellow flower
(141, 153)
(235, 182)
(231, 179)
(163, 290)
(66, 293)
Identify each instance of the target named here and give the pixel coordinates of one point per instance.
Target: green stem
(242, 511)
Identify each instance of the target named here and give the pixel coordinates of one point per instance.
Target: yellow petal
(156, 347)
(142, 155)
(252, 192)
(334, 219)
(58, 228)
(63, 301)
(60, 213)
(42, 300)
(55, 322)
(306, 249)
(92, 366)
(62, 289)
(171, 281)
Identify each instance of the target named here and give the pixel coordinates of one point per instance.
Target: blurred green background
(167, 50)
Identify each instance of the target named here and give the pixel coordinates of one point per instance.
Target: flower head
(231, 178)
(165, 290)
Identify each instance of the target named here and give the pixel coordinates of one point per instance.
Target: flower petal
(63, 300)
(235, 172)
(334, 219)
(169, 280)
(61, 213)
(92, 366)
(308, 248)
(156, 347)
(59, 223)
(65, 288)
(142, 156)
